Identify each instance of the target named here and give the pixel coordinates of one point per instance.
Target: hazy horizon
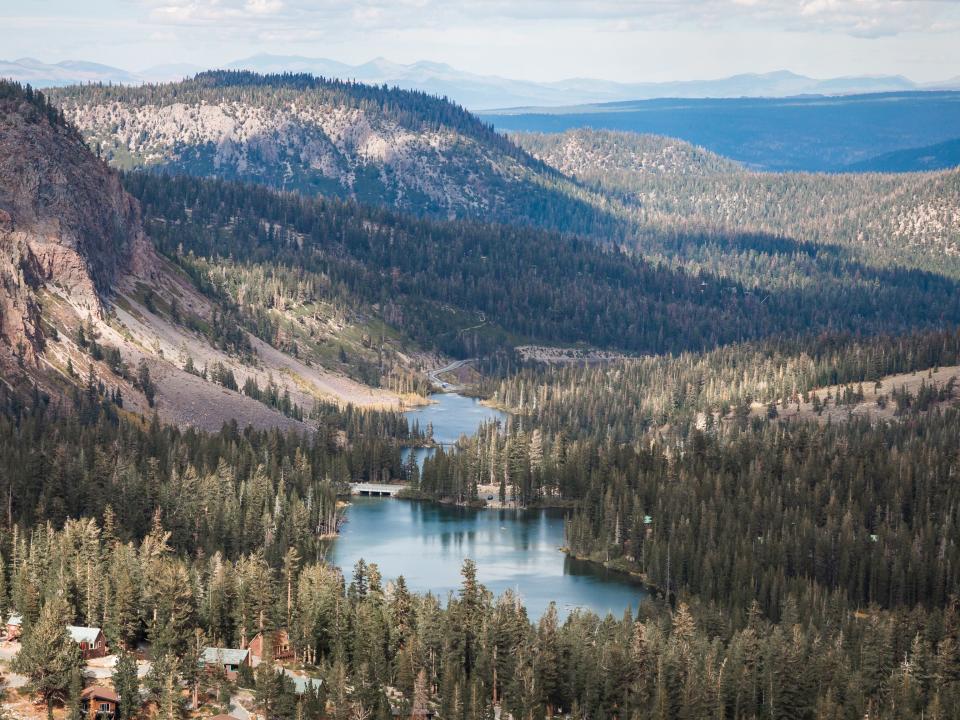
(232, 62)
(665, 40)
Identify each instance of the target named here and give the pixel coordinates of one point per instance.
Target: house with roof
(14, 626)
(99, 702)
(227, 660)
(90, 639)
(280, 641)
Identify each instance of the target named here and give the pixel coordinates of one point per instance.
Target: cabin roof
(223, 656)
(83, 634)
(99, 692)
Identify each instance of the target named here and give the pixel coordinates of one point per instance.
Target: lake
(516, 549)
(451, 415)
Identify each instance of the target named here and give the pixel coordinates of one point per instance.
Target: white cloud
(199, 12)
(858, 18)
(529, 39)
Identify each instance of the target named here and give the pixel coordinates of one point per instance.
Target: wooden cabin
(99, 702)
(228, 660)
(90, 639)
(282, 649)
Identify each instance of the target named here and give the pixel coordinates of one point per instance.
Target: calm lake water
(427, 544)
(514, 549)
(453, 415)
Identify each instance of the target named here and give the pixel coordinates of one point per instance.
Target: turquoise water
(514, 549)
(427, 544)
(453, 415)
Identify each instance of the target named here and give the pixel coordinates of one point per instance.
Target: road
(434, 375)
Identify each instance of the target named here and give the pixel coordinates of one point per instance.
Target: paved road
(434, 375)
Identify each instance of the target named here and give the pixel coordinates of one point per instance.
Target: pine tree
(75, 695)
(48, 656)
(4, 596)
(127, 685)
(291, 566)
(548, 659)
(170, 704)
(267, 686)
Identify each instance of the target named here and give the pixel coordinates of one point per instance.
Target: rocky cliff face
(65, 222)
(84, 296)
(338, 151)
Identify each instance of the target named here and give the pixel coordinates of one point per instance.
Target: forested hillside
(670, 396)
(468, 288)
(672, 476)
(752, 510)
(426, 156)
(88, 306)
(671, 189)
(939, 156)
(837, 595)
(375, 145)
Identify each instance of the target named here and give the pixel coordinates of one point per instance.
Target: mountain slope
(669, 186)
(930, 157)
(86, 302)
(469, 288)
(304, 275)
(296, 132)
(619, 158)
(64, 219)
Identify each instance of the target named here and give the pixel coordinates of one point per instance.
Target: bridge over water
(375, 489)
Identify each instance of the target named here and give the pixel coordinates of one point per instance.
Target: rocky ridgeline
(65, 222)
(312, 141)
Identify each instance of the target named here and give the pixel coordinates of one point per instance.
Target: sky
(636, 40)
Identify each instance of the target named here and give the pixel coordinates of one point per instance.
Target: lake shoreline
(520, 548)
(517, 550)
(625, 568)
(482, 503)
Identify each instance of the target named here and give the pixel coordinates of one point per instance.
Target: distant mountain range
(69, 72)
(835, 134)
(478, 92)
(939, 156)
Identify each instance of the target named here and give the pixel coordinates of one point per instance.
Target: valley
(673, 431)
